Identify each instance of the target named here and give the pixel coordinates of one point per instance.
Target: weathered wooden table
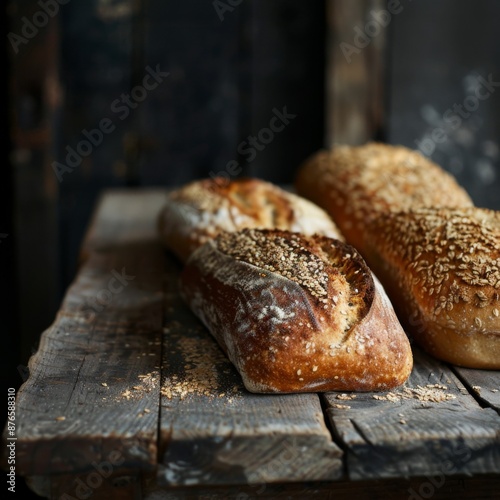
(129, 397)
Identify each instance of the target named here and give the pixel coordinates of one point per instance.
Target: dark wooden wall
(227, 71)
(28, 201)
(440, 51)
(225, 78)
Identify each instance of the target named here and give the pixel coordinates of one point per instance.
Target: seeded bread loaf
(354, 184)
(296, 313)
(441, 268)
(200, 210)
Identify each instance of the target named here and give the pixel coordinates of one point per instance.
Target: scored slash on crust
(273, 325)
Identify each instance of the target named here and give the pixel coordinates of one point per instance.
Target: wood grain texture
(355, 79)
(414, 437)
(104, 34)
(483, 384)
(189, 124)
(123, 216)
(93, 390)
(127, 374)
(28, 192)
(215, 432)
(285, 41)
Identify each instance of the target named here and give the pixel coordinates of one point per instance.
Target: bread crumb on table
(433, 393)
(200, 375)
(346, 397)
(390, 396)
(147, 383)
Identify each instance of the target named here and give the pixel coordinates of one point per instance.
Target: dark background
(225, 77)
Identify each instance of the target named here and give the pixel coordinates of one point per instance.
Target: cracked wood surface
(431, 425)
(484, 385)
(214, 431)
(94, 389)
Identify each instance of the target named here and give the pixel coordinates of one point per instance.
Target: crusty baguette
(200, 210)
(354, 184)
(441, 268)
(297, 313)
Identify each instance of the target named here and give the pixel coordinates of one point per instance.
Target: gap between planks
(262, 438)
(213, 431)
(483, 385)
(80, 403)
(429, 426)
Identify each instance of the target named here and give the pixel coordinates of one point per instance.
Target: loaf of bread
(354, 184)
(296, 313)
(200, 210)
(441, 268)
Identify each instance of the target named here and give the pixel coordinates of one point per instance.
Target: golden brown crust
(200, 210)
(297, 313)
(354, 184)
(441, 267)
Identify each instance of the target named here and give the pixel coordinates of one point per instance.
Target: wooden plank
(99, 483)
(406, 436)
(29, 187)
(437, 488)
(421, 89)
(286, 42)
(93, 390)
(483, 384)
(215, 432)
(118, 211)
(196, 131)
(93, 85)
(356, 78)
(93, 395)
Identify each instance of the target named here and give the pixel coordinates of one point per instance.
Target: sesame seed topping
(436, 245)
(278, 252)
(379, 178)
(316, 263)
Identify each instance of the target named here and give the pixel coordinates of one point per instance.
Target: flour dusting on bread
(296, 313)
(200, 210)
